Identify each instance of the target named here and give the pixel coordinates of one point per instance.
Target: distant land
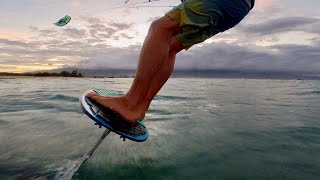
(129, 73)
(249, 74)
(73, 73)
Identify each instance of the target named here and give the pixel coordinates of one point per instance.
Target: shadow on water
(61, 97)
(173, 98)
(25, 173)
(306, 93)
(3, 122)
(159, 112)
(150, 169)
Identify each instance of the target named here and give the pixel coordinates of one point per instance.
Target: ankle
(132, 103)
(138, 106)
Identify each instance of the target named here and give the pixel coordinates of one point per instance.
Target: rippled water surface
(198, 129)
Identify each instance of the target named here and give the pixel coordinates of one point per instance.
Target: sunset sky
(276, 35)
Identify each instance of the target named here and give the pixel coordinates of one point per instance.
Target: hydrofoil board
(110, 120)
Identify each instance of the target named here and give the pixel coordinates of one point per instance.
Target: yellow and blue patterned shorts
(202, 19)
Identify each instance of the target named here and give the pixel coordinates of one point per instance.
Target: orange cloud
(11, 35)
(24, 68)
(265, 3)
(74, 3)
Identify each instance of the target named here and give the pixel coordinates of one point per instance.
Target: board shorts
(202, 19)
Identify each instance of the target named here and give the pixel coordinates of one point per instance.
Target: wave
(3, 122)
(20, 105)
(306, 134)
(158, 112)
(306, 93)
(162, 97)
(241, 103)
(62, 97)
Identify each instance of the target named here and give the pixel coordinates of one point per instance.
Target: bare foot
(120, 105)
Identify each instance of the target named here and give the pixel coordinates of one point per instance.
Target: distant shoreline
(217, 74)
(178, 77)
(74, 73)
(28, 77)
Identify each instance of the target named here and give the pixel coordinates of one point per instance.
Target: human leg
(198, 21)
(164, 73)
(153, 58)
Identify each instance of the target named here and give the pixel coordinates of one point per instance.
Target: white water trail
(66, 173)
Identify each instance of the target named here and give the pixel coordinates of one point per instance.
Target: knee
(175, 45)
(157, 24)
(165, 25)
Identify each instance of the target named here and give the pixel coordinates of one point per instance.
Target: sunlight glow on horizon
(25, 68)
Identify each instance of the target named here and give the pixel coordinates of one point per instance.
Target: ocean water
(198, 129)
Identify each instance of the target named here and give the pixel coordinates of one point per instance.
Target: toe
(91, 94)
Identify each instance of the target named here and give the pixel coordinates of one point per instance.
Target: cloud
(316, 40)
(120, 58)
(90, 19)
(99, 28)
(101, 31)
(75, 33)
(265, 3)
(8, 42)
(153, 19)
(120, 26)
(281, 25)
(4, 33)
(70, 46)
(236, 57)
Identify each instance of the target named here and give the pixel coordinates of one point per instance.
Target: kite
(63, 21)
